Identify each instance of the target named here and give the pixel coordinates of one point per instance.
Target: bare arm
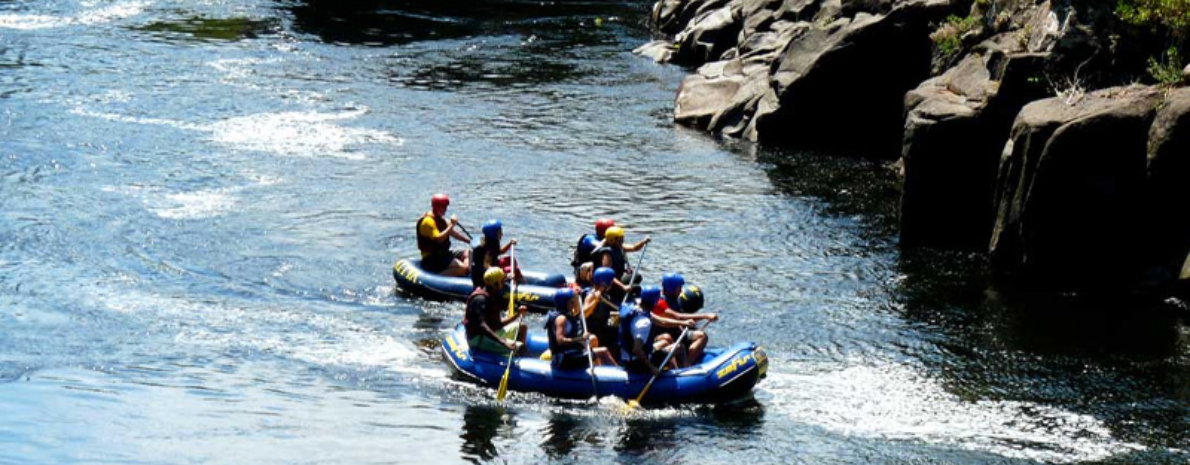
(671, 322)
(638, 245)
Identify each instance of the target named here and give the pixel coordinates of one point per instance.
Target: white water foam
(308, 134)
(27, 22)
(200, 204)
(895, 402)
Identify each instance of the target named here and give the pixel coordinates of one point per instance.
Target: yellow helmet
(493, 276)
(614, 232)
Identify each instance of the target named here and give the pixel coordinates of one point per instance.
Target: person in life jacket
(433, 240)
(602, 315)
(642, 346)
(587, 243)
(486, 330)
(612, 253)
(568, 342)
(582, 277)
(682, 302)
(487, 253)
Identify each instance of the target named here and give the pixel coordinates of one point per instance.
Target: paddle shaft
(634, 270)
(503, 389)
(666, 361)
(590, 357)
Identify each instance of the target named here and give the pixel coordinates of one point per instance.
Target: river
(200, 204)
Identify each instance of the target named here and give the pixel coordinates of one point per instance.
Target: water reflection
(481, 425)
(206, 29)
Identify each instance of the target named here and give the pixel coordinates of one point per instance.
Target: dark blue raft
(537, 293)
(725, 374)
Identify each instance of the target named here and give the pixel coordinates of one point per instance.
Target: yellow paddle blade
(631, 405)
(503, 390)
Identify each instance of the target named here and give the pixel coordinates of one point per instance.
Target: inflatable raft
(724, 374)
(536, 293)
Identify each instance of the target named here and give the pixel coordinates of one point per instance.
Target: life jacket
(674, 304)
(427, 245)
(619, 261)
(572, 330)
(631, 319)
(582, 250)
(474, 327)
(477, 261)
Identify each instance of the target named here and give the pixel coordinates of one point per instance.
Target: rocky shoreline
(988, 108)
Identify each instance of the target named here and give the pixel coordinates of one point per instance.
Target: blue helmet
(562, 297)
(603, 276)
(492, 229)
(649, 295)
(588, 244)
(672, 282)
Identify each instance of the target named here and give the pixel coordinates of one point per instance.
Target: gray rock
(1071, 189)
(1169, 182)
(659, 50)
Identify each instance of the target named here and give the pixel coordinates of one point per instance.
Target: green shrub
(1171, 14)
(949, 36)
(1169, 71)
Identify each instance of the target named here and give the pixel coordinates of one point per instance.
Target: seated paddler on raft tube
(486, 330)
(434, 231)
(488, 253)
(612, 253)
(568, 337)
(682, 302)
(643, 344)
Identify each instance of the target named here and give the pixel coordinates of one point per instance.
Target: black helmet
(691, 298)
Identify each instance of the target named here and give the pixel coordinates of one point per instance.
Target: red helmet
(439, 201)
(602, 225)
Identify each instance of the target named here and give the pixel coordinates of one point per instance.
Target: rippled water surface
(200, 202)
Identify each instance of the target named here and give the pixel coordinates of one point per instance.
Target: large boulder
(1071, 188)
(1169, 180)
(954, 129)
(849, 77)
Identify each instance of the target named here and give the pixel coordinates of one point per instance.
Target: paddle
(633, 278)
(636, 402)
(502, 391)
(590, 358)
(470, 238)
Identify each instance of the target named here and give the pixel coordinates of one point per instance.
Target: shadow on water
(393, 22)
(208, 29)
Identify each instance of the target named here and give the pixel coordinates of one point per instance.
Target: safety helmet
(602, 224)
(614, 232)
(440, 201)
(562, 297)
(491, 229)
(603, 276)
(672, 282)
(649, 295)
(493, 276)
(588, 244)
(691, 299)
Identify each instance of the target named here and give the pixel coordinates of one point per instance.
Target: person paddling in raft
(642, 345)
(613, 254)
(433, 240)
(587, 243)
(486, 331)
(682, 302)
(598, 310)
(568, 342)
(487, 253)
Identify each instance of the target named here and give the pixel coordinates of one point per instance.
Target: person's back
(433, 240)
(587, 244)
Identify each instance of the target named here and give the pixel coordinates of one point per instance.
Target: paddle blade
(502, 391)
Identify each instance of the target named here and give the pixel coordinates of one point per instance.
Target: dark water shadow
(481, 425)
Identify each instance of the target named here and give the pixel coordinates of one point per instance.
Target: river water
(200, 202)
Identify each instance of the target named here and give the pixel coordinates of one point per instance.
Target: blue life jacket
(572, 330)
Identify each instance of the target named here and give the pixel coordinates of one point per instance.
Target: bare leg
(603, 357)
(698, 342)
(456, 268)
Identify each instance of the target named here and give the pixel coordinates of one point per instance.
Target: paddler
(612, 253)
(568, 342)
(487, 253)
(587, 243)
(642, 346)
(682, 302)
(433, 240)
(486, 330)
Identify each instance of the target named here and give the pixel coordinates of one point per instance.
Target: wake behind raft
(724, 374)
(537, 292)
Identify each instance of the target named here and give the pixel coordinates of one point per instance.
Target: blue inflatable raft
(724, 374)
(537, 292)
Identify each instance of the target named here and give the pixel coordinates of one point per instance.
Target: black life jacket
(572, 330)
(427, 245)
(619, 260)
(474, 327)
(478, 267)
